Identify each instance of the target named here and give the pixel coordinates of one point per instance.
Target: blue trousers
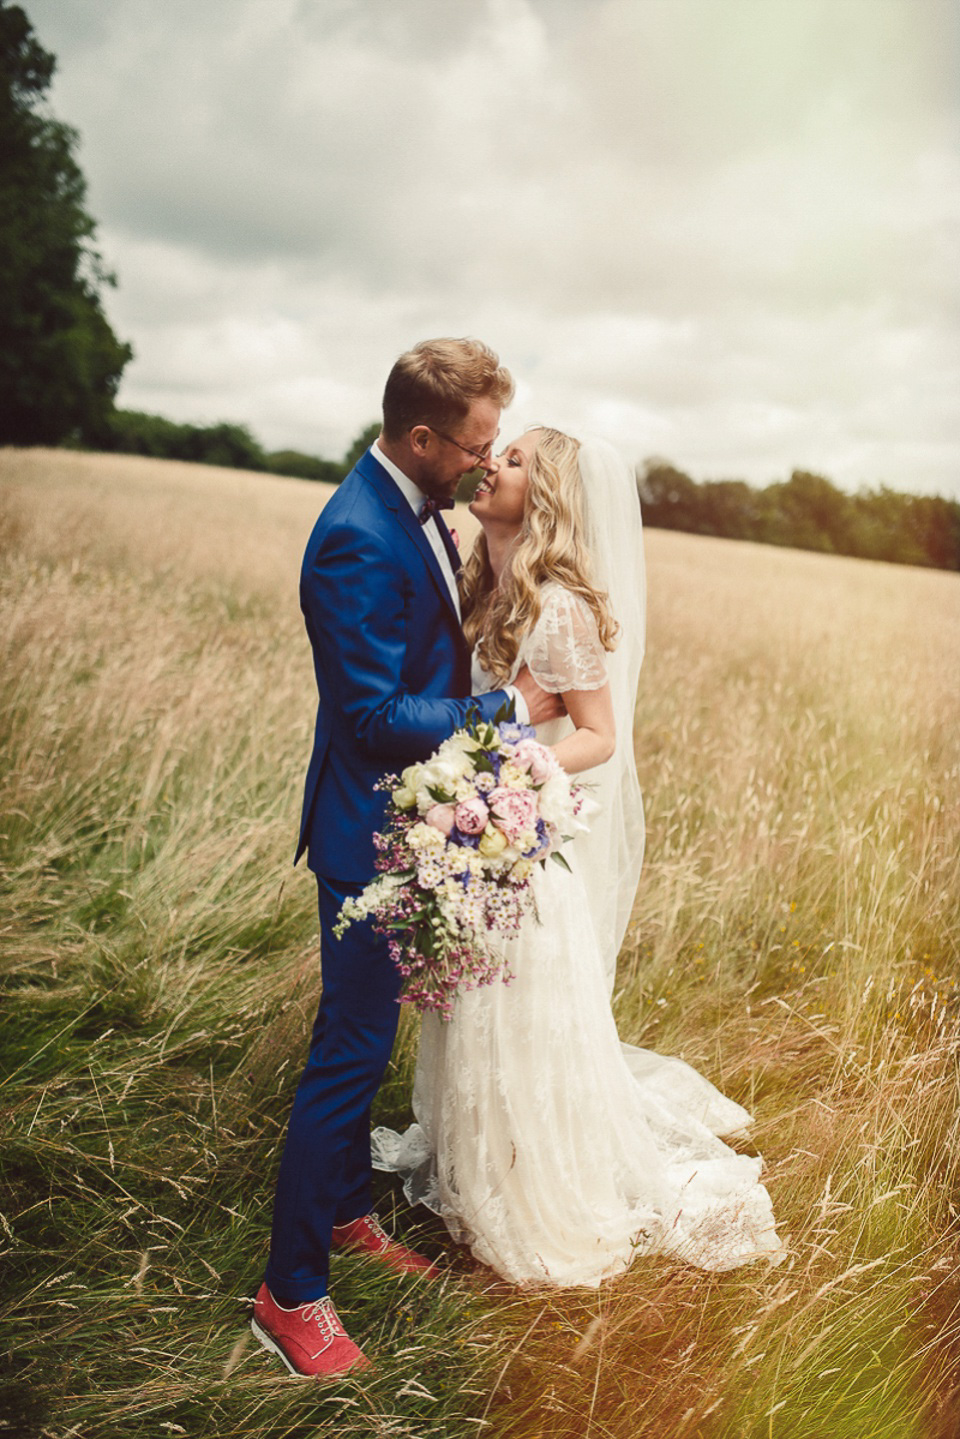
(325, 1170)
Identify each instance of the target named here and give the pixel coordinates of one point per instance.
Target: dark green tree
(136, 433)
(305, 467)
(360, 445)
(60, 362)
(670, 499)
(806, 512)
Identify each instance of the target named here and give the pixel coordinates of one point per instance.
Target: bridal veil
(611, 855)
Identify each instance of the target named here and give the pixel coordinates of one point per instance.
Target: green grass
(795, 936)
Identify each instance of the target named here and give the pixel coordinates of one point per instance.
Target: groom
(379, 595)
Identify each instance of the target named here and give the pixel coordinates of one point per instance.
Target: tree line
(133, 432)
(61, 365)
(808, 513)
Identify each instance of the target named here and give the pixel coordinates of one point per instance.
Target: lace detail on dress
(563, 650)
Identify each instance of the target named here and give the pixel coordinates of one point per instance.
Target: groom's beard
(439, 487)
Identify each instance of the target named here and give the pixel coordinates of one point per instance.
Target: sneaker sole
(273, 1347)
(263, 1338)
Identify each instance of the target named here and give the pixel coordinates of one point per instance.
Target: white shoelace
(324, 1315)
(377, 1229)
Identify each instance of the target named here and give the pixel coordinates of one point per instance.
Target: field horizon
(795, 936)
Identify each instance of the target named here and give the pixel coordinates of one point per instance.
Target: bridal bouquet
(455, 859)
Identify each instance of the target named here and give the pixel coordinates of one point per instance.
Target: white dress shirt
(415, 497)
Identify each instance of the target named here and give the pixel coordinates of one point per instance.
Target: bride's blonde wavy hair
(549, 547)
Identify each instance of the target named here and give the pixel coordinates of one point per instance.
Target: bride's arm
(595, 737)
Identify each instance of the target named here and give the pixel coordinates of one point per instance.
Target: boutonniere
(455, 537)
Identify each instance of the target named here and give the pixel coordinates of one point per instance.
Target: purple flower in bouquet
(512, 731)
(542, 846)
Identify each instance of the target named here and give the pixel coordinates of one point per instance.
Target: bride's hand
(542, 705)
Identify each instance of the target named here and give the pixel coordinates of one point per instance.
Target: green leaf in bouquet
(506, 712)
(561, 859)
(440, 795)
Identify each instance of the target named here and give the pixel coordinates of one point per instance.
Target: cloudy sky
(720, 231)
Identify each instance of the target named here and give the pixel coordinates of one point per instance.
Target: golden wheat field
(795, 936)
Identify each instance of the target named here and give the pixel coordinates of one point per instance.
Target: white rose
(441, 773)
(453, 754)
(556, 807)
(458, 743)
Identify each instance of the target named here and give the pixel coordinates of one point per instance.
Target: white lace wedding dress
(552, 1150)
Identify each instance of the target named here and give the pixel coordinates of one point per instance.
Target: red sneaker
(309, 1339)
(366, 1236)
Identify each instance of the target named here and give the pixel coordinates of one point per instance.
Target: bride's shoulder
(563, 650)
(564, 608)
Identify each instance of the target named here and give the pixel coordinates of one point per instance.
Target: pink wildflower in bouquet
(457, 855)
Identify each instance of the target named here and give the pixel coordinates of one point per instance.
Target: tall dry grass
(795, 936)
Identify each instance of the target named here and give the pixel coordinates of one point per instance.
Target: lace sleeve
(563, 651)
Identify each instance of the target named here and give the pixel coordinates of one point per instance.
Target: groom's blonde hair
(436, 382)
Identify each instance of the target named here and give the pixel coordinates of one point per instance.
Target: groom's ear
(419, 436)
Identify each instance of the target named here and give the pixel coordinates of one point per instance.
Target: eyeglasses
(481, 456)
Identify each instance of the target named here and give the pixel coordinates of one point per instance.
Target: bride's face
(501, 496)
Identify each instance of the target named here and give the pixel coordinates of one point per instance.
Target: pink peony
(514, 810)
(442, 817)
(535, 757)
(471, 815)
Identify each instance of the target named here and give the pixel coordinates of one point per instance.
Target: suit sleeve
(356, 599)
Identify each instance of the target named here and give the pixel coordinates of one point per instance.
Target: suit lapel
(377, 476)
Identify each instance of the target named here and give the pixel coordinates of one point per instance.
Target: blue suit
(393, 677)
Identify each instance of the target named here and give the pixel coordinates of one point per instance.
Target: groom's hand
(542, 705)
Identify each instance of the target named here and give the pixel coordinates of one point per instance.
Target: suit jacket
(392, 666)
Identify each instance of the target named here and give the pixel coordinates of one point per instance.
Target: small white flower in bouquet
(456, 857)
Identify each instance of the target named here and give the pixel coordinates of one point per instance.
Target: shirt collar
(411, 493)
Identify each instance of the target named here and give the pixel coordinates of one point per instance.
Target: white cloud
(724, 233)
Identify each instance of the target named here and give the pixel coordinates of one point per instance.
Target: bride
(551, 1149)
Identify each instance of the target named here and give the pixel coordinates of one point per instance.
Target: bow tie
(432, 507)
